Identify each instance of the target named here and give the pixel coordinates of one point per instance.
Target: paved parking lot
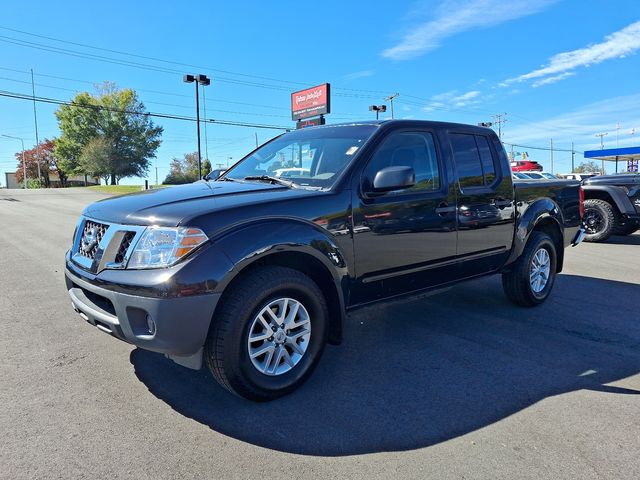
(458, 385)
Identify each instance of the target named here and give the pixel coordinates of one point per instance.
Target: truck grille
(124, 246)
(99, 245)
(92, 234)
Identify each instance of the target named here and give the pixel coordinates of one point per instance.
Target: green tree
(111, 125)
(185, 170)
(206, 167)
(588, 167)
(98, 158)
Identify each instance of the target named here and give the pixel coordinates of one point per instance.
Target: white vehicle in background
(540, 175)
(577, 176)
(292, 172)
(520, 176)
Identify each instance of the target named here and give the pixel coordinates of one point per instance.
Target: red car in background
(525, 166)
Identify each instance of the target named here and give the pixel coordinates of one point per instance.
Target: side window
(474, 160)
(407, 149)
(486, 158)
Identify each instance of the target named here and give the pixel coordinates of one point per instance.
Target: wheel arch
(614, 196)
(304, 249)
(545, 216)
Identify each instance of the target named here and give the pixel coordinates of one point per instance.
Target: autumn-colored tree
(48, 163)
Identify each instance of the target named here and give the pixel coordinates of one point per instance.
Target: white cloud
(456, 16)
(554, 79)
(580, 125)
(561, 65)
(360, 74)
(450, 99)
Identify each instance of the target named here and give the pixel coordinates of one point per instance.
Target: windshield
(310, 157)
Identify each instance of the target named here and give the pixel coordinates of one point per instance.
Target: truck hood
(620, 180)
(174, 206)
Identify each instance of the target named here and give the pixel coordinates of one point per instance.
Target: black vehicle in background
(251, 274)
(612, 206)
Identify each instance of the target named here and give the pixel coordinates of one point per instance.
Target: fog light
(151, 325)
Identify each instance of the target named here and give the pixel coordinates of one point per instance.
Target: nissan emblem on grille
(89, 239)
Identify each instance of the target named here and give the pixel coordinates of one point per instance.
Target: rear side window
(474, 160)
(488, 168)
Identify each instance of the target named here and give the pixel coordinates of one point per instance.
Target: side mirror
(394, 178)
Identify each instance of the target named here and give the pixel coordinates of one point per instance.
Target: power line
(546, 149)
(123, 62)
(283, 109)
(21, 96)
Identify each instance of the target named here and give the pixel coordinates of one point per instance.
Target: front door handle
(443, 209)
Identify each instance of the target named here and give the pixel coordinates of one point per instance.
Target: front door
(403, 237)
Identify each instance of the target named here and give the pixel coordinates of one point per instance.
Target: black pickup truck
(252, 273)
(612, 206)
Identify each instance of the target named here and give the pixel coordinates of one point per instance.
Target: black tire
(517, 283)
(226, 351)
(626, 229)
(599, 220)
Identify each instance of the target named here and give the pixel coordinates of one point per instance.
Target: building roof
(614, 154)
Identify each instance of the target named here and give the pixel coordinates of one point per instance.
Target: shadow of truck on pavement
(424, 371)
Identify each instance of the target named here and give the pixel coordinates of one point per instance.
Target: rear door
(485, 207)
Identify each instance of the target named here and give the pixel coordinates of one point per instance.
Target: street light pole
(204, 81)
(378, 109)
(24, 163)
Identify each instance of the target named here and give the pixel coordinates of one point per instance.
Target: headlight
(161, 246)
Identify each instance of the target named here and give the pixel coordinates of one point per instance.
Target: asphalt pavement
(459, 385)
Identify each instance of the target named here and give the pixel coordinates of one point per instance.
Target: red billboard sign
(310, 122)
(311, 102)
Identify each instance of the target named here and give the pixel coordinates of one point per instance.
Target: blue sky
(560, 69)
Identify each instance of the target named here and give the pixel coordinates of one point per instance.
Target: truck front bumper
(175, 326)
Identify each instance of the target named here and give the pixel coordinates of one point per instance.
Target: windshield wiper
(269, 178)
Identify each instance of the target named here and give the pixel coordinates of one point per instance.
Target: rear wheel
(599, 220)
(530, 279)
(269, 333)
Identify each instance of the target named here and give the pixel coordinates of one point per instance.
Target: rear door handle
(444, 208)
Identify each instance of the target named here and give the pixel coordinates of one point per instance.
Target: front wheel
(531, 277)
(269, 333)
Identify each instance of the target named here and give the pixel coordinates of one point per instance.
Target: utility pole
(35, 120)
(390, 100)
(256, 139)
(573, 154)
(602, 135)
(156, 175)
(552, 155)
(499, 119)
